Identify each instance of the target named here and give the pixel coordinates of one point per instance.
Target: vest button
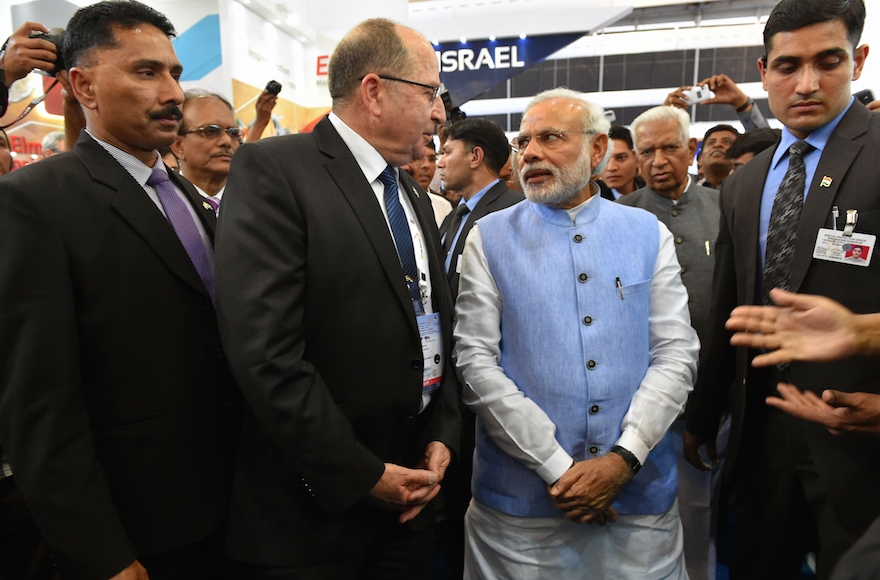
(583, 277)
(591, 364)
(675, 212)
(594, 409)
(578, 238)
(678, 240)
(594, 450)
(588, 320)
(683, 269)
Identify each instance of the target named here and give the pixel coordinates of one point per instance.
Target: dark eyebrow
(797, 60)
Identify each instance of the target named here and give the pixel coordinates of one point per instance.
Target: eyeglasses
(547, 139)
(214, 131)
(435, 91)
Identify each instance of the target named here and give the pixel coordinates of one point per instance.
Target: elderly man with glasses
(573, 338)
(207, 139)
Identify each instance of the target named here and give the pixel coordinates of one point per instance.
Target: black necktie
(460, 211)
(784, 219)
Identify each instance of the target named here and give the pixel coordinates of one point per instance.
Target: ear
(762, 68)
(83, 86)
(598, 147)
(479, 157)
(692, 147)
(372, 94)
(859, 56)
(177, 148)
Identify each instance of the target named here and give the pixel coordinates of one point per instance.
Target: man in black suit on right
(799, 487)
(473, 155)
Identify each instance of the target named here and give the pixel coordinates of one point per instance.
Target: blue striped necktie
(402, 236)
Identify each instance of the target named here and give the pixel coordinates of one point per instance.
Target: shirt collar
(475, 199)
(370, 161)
(135, 167)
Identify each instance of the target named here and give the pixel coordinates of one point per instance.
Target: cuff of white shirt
(555, 467)
(634, 444)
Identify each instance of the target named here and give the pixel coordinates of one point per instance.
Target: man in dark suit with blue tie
(337, 320)
(473, 155)
(117, 409)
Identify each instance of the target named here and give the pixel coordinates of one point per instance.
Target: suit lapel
(138, 210)
(346, 173)
(480, 210)
(837, 157)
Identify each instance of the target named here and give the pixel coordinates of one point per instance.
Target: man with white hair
(53, 143)
(576, 379)
(691, 212)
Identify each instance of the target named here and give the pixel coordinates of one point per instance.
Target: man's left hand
(436, 459)
(585, 492)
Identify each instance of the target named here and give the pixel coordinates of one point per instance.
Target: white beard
(566, 185)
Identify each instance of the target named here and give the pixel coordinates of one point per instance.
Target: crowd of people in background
(360, 352)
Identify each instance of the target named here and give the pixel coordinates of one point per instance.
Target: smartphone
(865, 96)
(273, 87)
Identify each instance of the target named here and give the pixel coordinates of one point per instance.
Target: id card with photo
(855, 250)
(432, 351)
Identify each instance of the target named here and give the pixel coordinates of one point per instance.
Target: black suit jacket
(498, 197)
(846, 463)
(117, 408)
(322, 337)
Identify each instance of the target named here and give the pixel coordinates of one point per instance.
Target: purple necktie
(184, 226)
(213, 203)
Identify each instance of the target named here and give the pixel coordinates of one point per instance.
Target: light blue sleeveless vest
(571, 344)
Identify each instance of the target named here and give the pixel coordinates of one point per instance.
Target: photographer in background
(20, 55)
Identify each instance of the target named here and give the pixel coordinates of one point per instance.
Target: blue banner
(471, 68)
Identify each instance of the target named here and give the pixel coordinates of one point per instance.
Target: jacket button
(683, 269)
(583, 277)
(678, 240)
(588, 320)
(218, 353)
(417, 364)
(578, 238)
(591, 364)
(409, 421)
(594, 450)
(594, 409)
(675, 212)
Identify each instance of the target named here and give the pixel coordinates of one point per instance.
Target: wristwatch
(630, 459)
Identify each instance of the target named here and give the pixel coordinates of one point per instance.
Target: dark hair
(92, 27)
(487, 136)
(622, 133)
(790, 15)
(754, 142)
(718, 128)
(191, 96)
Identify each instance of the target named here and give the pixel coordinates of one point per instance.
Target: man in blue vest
(577, 377)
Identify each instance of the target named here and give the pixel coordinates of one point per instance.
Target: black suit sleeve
(44, 424)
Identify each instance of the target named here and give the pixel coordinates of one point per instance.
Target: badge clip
(852, 216)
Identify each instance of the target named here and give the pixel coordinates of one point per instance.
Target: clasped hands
(585, 492)
(409, 490)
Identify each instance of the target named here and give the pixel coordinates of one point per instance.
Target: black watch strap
(630, 459)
